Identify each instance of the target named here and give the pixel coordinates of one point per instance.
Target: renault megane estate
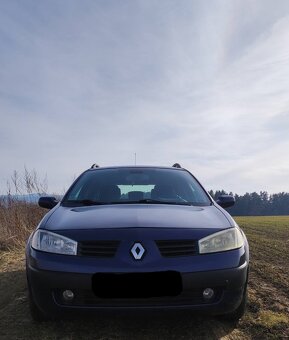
(137, 237)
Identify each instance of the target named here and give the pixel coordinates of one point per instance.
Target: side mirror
(47, 202)
(226, 201)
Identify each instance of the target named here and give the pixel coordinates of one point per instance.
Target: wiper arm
(85, 202)
(150, 200)
(147, 200)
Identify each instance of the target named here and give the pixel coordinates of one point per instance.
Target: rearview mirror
(226, 201)
(47, 202)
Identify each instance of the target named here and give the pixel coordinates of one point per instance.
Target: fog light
(68, 295)
(208, 293)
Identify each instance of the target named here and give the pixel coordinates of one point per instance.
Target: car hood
(134, 216)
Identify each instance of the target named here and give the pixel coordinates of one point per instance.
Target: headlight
(53, 243)
(223, 240)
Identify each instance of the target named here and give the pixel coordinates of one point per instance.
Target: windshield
(136, 185)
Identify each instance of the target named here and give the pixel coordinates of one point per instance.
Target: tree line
(257, 204)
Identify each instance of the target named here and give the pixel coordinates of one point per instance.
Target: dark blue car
(137, 237)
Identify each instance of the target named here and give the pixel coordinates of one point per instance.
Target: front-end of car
(137, 256)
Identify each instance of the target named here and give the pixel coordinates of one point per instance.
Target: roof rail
(94, 166)
(176, 165)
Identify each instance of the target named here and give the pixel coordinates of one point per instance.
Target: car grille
(174, 248)
(97, 248)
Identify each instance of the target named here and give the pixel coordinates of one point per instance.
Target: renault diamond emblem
(137, 251)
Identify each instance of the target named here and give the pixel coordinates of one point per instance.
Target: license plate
(137, 285)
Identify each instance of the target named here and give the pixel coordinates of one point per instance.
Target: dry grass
(18, 217)
(17, 220)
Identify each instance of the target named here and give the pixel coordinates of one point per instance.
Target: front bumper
(47, 286)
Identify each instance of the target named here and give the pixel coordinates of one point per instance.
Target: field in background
(268, 309)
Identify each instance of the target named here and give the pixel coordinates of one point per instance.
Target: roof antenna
(135, 158)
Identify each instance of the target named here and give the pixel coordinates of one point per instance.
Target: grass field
(267, 316)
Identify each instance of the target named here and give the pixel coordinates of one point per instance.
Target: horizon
(20, 189)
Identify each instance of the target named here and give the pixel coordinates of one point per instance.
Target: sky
(201, 83)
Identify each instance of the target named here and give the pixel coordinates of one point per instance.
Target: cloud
(204, 84)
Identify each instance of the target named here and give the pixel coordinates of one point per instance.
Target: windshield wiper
(150, 200)
(85, 202)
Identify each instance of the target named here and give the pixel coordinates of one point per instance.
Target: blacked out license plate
(137, 285)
